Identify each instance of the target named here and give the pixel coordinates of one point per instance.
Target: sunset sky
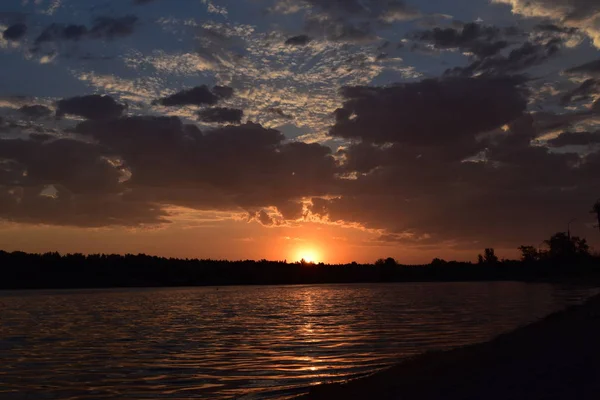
(334, 130)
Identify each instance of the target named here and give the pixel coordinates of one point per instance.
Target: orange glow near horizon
(308, 254)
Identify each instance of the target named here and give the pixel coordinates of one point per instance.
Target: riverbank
(555, 358)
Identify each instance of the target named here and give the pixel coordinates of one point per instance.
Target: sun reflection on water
(242, 342)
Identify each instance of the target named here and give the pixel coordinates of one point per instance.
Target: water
(243, 342)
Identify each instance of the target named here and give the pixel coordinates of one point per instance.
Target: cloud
(35, 111)
(496, 50)
(339, 30)
(301, 81)
(32, 206)
(300, 40)
(111, 28)
(591, 69)
(223, 92)
(233, 166)
(200, 95)
(279, 112)
(40, 137)
(78, 166)
(553, 28)
(589, 90)
(482, 41)
(383, 10)
(58, 32)
(427, 165)
(94, 107)
(575, 139)
(581, 14)
(450, 162)
(221, 115)
(140, 167)
(15, 32)
(141, 90)
(462, 107)
(353, 21)
(264, 218)
(102, 28)
(517, 193)
(525, 56)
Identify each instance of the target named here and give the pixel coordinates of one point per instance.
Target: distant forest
(563, 258)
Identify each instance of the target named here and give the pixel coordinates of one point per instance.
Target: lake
(244, 342)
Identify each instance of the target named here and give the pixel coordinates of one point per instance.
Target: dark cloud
(553, 28)
(584, 92)
(300, 40)
(575, 139)
(58, 32)
(35, 111)
(66, 182)
(432, 110)
(515, 192)
(348, 20)
(15, 32)
(95, 107)
(525, 56)
(495, 51)
(383, 10)
(141, 165)
(591, 68)
(223, 92)
(40, 137)
(263, 218)
(200, 95)
(340, 30)
(221, 115)
(482, 41)
(140, 2)
(111, 28)
(79, 167)
(245, 165)
(430, 167)
(102, 28)
(581, 14)
(426, 165)
(63, 208)
(290, 210)
(279, 112)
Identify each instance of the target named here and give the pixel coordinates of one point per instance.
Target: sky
(330, 130)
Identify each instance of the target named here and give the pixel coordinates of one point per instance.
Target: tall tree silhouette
(562, 246)
(596, 210)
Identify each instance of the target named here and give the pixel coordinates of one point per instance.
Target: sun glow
(308, 255)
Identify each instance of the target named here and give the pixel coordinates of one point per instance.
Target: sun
(308, 255)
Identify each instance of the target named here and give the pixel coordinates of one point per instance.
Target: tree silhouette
(529, 253)
(596, 210)
(489, 256)
(19, 270)
(564, 247)
(388, 262)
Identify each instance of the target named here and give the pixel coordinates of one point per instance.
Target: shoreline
(557, 357)
(593, 281)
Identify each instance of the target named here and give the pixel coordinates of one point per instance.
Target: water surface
(243, 342)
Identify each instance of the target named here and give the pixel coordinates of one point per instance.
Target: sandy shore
(555, 358)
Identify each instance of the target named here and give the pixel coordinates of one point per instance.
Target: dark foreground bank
(555, 358)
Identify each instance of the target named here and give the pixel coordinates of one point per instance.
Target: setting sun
(308, 255)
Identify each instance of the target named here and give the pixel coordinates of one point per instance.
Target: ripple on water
(243, 342)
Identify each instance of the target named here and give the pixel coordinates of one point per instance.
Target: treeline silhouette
(564, 257)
